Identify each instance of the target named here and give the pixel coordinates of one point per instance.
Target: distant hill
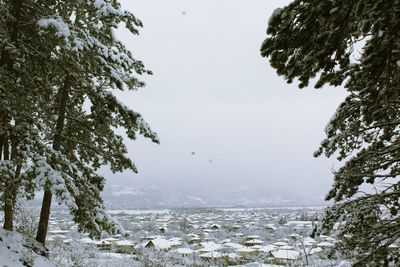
(123, 197)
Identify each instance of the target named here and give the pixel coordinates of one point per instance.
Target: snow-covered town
(172, 133)
(203, 237)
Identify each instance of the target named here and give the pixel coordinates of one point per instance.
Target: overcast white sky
(212, 93)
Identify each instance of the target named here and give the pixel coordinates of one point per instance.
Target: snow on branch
(106, 9)
(62, 30)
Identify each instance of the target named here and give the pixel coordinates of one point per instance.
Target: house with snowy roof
(253, 242)
(309, 242)
(280, 243)
(124, 246)
(270, 227)
(183, 252)
(232, 245)
(247, 252)
(210, 246)
(193, 238)
(162, 229)
(175, 242)
(211, 255)
(283, 256)
(86, 240)
(267, 249)
(112, 240)
(159, 244)
(238, 235)
(235, 227)
(149, 237)
(103, 245)
(215, 226)
(250, 237)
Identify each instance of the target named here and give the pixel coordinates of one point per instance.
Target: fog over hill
(122, 197)
(225, 120)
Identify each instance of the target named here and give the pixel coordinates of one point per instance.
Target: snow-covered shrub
(26, 221)
(73, 254)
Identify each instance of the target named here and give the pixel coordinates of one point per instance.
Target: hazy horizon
(214, 95)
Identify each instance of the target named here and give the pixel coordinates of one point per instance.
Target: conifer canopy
(356, 45)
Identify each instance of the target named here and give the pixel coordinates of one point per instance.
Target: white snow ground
(17, 250)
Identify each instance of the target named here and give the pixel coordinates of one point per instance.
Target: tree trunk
(46, 204)
(8, 207)
(8, 214)
(10, 199)
(5, 59)
(1, 146)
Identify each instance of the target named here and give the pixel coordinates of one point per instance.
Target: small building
(210, 247)
(283, 256)
(86, 240)
(309, 242)
(215, 226)
(211, 255)
(235, 228)
(175, 242)
(112, 240)
(103, 245)
(150, 237)
(270, 227)
(193, 239)
(250, 237)
(238, 235)
(159, 244)
(267, 249)
(280, 244)
(253, 242)
(162, 229)
(233, 245)
(124, 246)
(183, 252)
(246, 252)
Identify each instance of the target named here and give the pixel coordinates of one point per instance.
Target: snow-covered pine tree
(91, 65)
(7, 168)
(66, 104)
(22, 89)
(355, 44)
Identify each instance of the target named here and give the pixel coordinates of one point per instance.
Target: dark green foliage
(60, 65)
(354, 44)
(94, 64)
